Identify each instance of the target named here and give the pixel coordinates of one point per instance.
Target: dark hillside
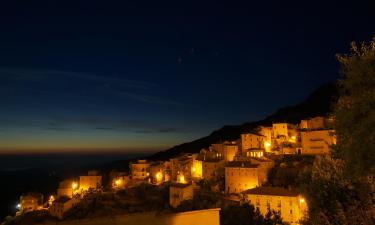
(318, 103)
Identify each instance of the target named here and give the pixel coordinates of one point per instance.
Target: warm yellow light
(74, 185)
(302, 200)
(117, 182)
(294, 137)
(158, 176)
(194, 169)
(267, 144)
(51, 198)
(148, 174)
(182, 179)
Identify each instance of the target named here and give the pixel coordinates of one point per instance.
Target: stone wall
(206, 217)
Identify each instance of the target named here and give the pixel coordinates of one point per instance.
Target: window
(279, 203)
(291, 212)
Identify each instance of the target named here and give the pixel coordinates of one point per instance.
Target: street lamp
(74, 185)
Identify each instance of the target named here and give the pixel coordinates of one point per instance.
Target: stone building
(140, 169)
(251, 141)
(317, 141)
(92, 181)
(241, 176)
(179, 192)
(313, 123)
(160, 172)
(212, 167)
(61, 205)
(31, 202)
(289, 204)
(66, 188)
(187, 165)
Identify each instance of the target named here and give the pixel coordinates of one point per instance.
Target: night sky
(106, 76)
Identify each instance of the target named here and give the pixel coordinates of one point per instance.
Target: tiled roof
(275, 191)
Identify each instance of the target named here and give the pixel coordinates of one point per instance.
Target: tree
(333, 198)
(355, 110)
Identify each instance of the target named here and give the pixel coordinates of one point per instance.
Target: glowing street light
(18, 206)
(117, 182)
(182, 179)
(301, 200)
(158, 177)
(74, 185)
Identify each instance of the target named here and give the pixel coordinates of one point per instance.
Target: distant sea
(42, 172)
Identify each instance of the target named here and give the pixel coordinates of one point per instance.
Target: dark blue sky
(146, 76)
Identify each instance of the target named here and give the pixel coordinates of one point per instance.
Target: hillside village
(238, 171)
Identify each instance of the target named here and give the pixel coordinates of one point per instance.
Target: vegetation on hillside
(340, 187)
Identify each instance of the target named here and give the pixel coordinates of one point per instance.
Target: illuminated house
(211, 167)
(240, 176)
(252, 140)
(140, 169)
(120, 182)
(227, 150)
(289, 204)
(187, 165)
(284, 131)
(255, 152)
(267, 132)
(264, 166)
(31, 202)
(313, 123)
(179, 192)
(67, 188)
(91, 182)
(159, 172)
(317, 141)
(61, 205)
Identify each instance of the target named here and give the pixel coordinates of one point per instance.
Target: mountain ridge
(319, 103)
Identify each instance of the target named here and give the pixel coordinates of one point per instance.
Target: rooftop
(181, 185)
(275, 191)
(263, 159)
(213, 160)
(253, 133)
(140, 161)
(245, 164)
(255, 150)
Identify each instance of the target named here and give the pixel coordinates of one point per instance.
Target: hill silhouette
(318, 103)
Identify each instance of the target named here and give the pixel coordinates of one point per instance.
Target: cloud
(83, 86)
(148, 98)
(43, 75)
(109, 124)
(85, 124)
(58, 129)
